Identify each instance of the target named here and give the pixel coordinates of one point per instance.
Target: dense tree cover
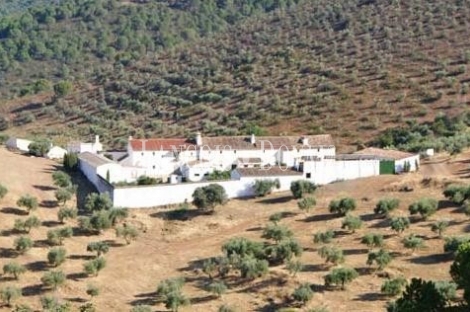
(460, 270)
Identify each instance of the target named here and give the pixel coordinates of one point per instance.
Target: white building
(79, 147)
(398, 158)
(56, 152)
(18, 144)
(95, 166)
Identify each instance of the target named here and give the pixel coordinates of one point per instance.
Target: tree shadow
(8, 253)
(77, 299)
(202, 299)
(365, 270)
(177, 214)
(15, 211)
(113, 243)
(356, 251)
(314, 267)
(370, 297)
(32, 290)
(145, 299)
(276, 200)
(369, 217)
(49, 204)
(51, 223)
(432, 259)
(81, 257)
(37, 266)
(273, 306)
(256, 286)
(45, 187)
(443, 204)
(320, 217)
(255, 229)
(381, 224)
(11, 232)
(43, 243)
(77, 276)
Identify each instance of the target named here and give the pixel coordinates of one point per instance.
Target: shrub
(23, 244)
(22, 308)
(217, 288)
(65, 213)
(393, 287)
(452, 243)
(386, 205)
(277, 232)
(170, 292)
(98, 202)
(39, 148)
(412, 242)
(294, 266)
(303, 293)
(63, 195)
(52, 304)
(439, 227)
(265, 187)
(226, 308)
(419, 295)
(9, 294)
(14, 269)
(275, 217)
(323, 237)
(208, 197)
(144, 180)
(100, 221)
(142, 308)
(93, 267)
(252, 268)
(342, 206)
(373, 240)
(425, 207)
(61, 179)
(71, 161)
(284, 250)
(399, 224)
(30, 202)
(243, 247)
(459, 270)
(128, 232)
(447, 289)
(331, 255)
(92, 290)
(53, 279)
(352, 223)
(306, 203)
(117, 214)
(301, 187)
(98, 247)
(457, 193)
(27, 225)
(340, 277)
(382, 258)
(56, 256)
(3, 191)
(56, 237)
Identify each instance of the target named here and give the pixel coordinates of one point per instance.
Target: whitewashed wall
(288, 157)
(20, 144)
(400, 164)
(327, 171)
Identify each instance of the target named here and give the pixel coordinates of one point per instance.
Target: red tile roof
(159, 144)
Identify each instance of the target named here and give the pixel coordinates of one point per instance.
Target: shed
(56, 152)
(18, 144)
(392, 161)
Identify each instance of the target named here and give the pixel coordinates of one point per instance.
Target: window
(235, 151)
(221, 151)
(153, 153)
(142, 153)
(206, 174)
(196, 174)
(153, 167)
(309, 175)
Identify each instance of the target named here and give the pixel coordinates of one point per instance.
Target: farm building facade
(179, 166)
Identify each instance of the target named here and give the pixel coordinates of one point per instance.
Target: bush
(306, 203)
(98, 247)
(452, 243)
(39, 148)
(373, 240)
(71, 161)
(217, 288)
(265, 187)
(65, 213)
(277, 232)
(3, 191)
(393, 287)
(53, 279)
(56, 237)
(447, 289)
(252, 268)
(23, 244)
(61, 179)
(27, 225)
(302, 187)
(98, 202)
(457, 193)
(382, 258)
(419, 295)
(56, 256)
(352, 223)
(226, 308)
(92, 290)
(413, 242)
(425, 207)
(14, 269)
(93, 267)
(323, 237)
(144, 180)
(340, 277)
(275, 217)
(208, 197)
(9, 294)
(399, 224)
(342, 206)
(459, 270)
(294, 266)
(241, 246)
(30, 202)
(331, 255)
(303, 293)
(63, 195)
(128, 232)
(439, 227)
(386, 205)
(170, 292)
(142, 308)
(284, 250)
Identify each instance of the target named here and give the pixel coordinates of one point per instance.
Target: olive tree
(98, 247)
(373, 240)
(92, 290)
(9, 294)
(340, 277)
(283, 251)
(277, 232)
(170, 292)
(206, 198)
(3, 191)
(331, 255)
(342, 206)
(265, 187)
(56, 256)
(382, 258)
(306, 204)
(217, 288)
(352, 223)
(323, 237)
(29, 202)
(61, 179)
(439, 227)
(63, 195)
(27, 225)
(302, 187)
(65, 213)
(93, 267)
(425, 207)
(399, 224)
(23, 244)
(460, 269)
(303, 293)
(393, 287)
(386, 205)
(57, 236)
(53, 279)
(412, 242)
(294, 266)
(128, 232)
(98, 202)
(14, 268)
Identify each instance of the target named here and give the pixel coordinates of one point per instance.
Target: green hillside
(351, 68)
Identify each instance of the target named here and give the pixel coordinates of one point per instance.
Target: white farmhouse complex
(179, 166)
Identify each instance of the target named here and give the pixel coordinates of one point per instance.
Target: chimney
(97, 139)
(304, 140)
(252, 139)
(198, 139)
(130, 137)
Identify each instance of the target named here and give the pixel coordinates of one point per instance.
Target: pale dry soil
(168, 248)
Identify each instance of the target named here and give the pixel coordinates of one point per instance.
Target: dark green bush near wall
(144, 180)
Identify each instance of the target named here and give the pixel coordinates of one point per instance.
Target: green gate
(387, 167)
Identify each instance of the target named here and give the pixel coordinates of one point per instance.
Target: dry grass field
(169, 248)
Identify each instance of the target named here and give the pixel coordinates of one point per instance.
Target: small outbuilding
(56, 152)
(18, 144)
(393, 161)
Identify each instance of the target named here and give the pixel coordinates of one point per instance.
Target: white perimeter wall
(400, 164)
(159, 195)
(327, 171)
